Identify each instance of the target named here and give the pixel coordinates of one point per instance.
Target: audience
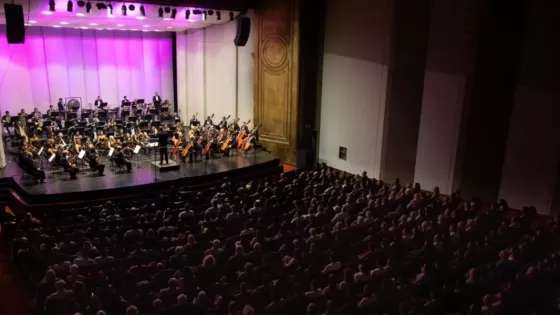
(312, 242)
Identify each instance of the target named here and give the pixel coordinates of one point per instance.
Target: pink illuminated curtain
(62, 62)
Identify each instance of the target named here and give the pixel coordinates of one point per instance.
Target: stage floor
(143, 173)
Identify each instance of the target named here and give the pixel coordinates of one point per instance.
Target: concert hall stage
(144, 179)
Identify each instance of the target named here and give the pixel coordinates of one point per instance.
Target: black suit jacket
(156, 100)
(60, 106)
(163, 138)
(98, 103)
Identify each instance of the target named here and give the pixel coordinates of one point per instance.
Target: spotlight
(51, 5)
(142, 11)
(101, 6)
(123, 9)
(188, 14)
(88, 7)
(210, 12)
(167, 10)
(131, 7)
(173, 13)
(218, 15)
(81, 4)
(70, 6)
(160, 12)
(231, 16)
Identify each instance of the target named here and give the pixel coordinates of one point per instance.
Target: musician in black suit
(98, 102)
(93, 158)
(162, 144)
(157, 101)
(60, 105)
(124, 101)
(194, 122)
(67, 166)
(121, 160)
(223, 123)
(30, 166)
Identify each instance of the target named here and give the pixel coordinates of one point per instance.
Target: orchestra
(64, 140)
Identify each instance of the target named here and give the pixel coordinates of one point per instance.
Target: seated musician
(153, 131)
(194, 123)
(60, 105)
(102, 141)
(35, 141)
(190, 150)
(66, 164)
(60, 140)
(30, 166)
(127, 140)
(7, 119)
(165, 128)
(208, 122)
(23, 114)
(36, 114)
(50, 148)
(98, 102)
(50, 110)
(124, 101)
(121, 160)
(225, 141)
(112, 142)
(93, 159)
(223, 123)
(39, 125)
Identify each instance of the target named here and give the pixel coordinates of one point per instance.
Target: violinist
(111, 124)
(165, 128)
(121, 160)
(153, 131)
(60, 140)
(67, 163)
(112, 142)
(92, 157)
(39, 125)
(127, 140)
(87, 142)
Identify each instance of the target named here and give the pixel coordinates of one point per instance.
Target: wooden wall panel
(277, 76)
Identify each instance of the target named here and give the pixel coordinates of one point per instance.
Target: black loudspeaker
(243, 31)
(15, 28)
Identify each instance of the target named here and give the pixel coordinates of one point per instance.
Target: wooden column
(276, 30)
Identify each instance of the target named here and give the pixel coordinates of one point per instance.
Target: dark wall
(488, 104)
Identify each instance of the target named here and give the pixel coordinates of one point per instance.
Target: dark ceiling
(232, 5)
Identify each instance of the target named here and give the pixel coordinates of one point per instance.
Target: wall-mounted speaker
(15, 28)
(243, 31)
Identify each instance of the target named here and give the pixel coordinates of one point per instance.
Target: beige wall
(354, 83)
(213, 75)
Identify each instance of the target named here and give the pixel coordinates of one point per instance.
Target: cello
(208, 147)
(242, 135)
(248, 143)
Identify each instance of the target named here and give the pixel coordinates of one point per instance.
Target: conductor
(162, 144)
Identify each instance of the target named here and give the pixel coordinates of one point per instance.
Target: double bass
(250, 139)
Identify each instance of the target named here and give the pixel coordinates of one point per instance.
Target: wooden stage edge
(144, 180)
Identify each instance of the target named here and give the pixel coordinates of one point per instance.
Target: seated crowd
(313, 242)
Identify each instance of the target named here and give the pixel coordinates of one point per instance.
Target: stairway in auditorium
(14, 298)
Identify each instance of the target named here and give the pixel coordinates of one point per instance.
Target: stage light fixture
(88, 7)
(123, 9)
(173, 13)
(210, 12)
(51, 5)
(160, 12)
(188, 14)
(231, 16)
(197, 11)
(131, 7)
(142, 10)
(70, 6)
(218, 15)
(167, 10)
(101, 6)
(81, 4)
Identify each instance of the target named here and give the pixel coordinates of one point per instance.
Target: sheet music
(94, 136)
(81, 155)
(136, 149)
(152, 145)
(52, 157)
(132, 132)
(111, 151)
(40, 151)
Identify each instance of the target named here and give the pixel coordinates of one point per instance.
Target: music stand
(103, 105)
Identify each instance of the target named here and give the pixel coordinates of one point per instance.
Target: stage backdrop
(64, 62)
